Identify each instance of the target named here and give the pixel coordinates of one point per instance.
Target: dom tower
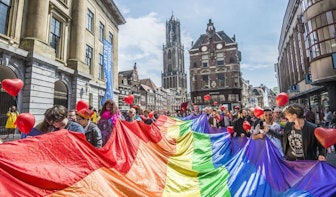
(174, 76)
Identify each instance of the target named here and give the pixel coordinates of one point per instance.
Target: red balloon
(207, 97)
(81, 104)
(326, 136)
(230, 129)
(246, 125)
(129, 99)
(222, 107)
(151, 115)
(12, 86)
(282, 99)
(215, 103)
(258, 111)
(25, 122)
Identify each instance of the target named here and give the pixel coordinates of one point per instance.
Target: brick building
(215, 69)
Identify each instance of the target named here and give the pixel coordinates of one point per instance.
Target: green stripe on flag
(202, 157)
(214, 182)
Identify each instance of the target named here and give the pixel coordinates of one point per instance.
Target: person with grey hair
(131, 115)
(299, 141)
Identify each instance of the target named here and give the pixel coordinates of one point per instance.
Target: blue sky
(255, 23)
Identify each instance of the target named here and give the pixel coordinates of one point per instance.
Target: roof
(114, 11)
(147, 88)
(149, 82)
(221, 35)
(126, 73)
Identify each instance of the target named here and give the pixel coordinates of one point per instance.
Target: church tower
(174, 75)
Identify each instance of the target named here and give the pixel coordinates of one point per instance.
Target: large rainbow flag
(171, 157)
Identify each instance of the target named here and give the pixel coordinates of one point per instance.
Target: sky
(256, 24)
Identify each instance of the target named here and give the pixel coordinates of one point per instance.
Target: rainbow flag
(171, 157)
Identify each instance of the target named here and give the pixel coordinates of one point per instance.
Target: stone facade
(174, 75)
(56, 48)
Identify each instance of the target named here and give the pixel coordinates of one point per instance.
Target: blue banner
(108, 71)
(334, 60)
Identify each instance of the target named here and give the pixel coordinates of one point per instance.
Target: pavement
(331, 155)
(9, 137)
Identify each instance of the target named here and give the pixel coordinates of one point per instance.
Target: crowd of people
(291, 129)
(97, 126)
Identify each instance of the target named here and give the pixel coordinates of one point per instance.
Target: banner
(170, 157)
(108, 71)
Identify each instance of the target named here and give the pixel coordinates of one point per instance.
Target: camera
(261, 123)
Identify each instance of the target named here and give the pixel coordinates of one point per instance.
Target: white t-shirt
(277, 129)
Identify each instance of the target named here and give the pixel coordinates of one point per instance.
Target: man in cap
(92, 132)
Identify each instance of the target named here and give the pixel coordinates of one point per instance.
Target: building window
(169, 54)
(55, 35)
(101, 67)
(220, 62)
(232, 60)
(233, 97)
(111, 38)
(221, 80)
(101, 31)
(5, 6)
(89, 25)
(222, 98)
(88, 55)
(236, 83)
(198, 99)
(205, 64)
(205, 82)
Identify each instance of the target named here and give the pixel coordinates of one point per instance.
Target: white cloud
(141, 40)
(254, 67)
(142, 37)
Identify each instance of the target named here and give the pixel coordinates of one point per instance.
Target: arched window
(169, 54)
(61, 94)
(6, 99)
